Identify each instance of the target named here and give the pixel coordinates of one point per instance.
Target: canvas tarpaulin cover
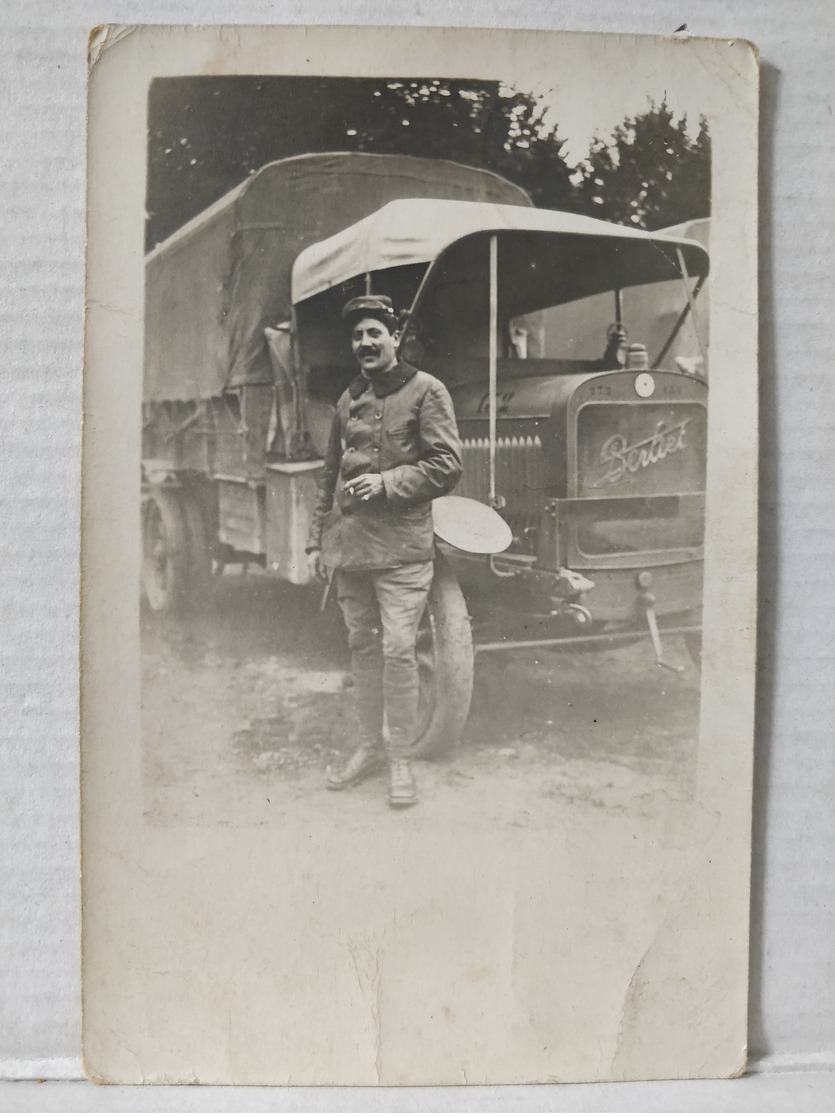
(213, 287)
(591, 255)
(291, 439)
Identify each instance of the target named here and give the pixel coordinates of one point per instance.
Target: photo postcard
(419, 556)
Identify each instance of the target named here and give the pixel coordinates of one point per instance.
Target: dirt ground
(245, 706)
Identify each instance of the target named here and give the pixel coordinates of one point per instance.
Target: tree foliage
(207, 134)
(650, 173)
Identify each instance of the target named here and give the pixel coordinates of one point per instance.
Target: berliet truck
(575, 354)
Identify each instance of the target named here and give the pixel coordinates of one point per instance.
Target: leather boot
(363, 762)
(402, 789)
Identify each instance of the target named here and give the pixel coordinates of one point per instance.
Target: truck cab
(578, 374)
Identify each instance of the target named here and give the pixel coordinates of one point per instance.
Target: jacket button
(378, 415)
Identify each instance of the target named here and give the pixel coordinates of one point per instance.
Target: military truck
(575, 355)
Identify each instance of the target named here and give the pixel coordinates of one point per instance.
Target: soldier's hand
(366, 486)
(314, 562)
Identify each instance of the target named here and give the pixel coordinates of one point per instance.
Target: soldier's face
(373, 346)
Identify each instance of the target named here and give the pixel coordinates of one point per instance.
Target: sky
(603, 106)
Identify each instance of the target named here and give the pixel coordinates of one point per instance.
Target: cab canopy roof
(599, 256)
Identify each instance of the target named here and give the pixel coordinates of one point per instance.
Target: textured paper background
(792, 1010)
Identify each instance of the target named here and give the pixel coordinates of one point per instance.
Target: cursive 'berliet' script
(619, 459)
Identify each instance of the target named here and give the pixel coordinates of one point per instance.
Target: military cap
(370, 306)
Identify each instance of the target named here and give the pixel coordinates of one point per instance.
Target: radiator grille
(521, 478)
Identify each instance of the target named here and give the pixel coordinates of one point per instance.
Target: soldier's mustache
(367, 352)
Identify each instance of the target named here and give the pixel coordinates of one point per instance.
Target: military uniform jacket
(401, 425)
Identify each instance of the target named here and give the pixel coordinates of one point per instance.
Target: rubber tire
(169, 593)
(199, 574)
(446, 687)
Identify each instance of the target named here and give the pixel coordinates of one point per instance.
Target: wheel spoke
(163, 570)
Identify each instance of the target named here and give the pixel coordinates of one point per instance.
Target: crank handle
(648, 602)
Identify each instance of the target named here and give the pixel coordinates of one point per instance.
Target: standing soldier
(393, 448)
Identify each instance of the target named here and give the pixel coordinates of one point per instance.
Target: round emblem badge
(644, 385)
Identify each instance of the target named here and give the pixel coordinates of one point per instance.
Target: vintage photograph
(424, 448)
(419, 557)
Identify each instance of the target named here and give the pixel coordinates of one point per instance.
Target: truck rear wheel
(165, 561)
(177, 557)
(199, 573)
(445, 665)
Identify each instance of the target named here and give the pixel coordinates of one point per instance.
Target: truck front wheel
(445, 665)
